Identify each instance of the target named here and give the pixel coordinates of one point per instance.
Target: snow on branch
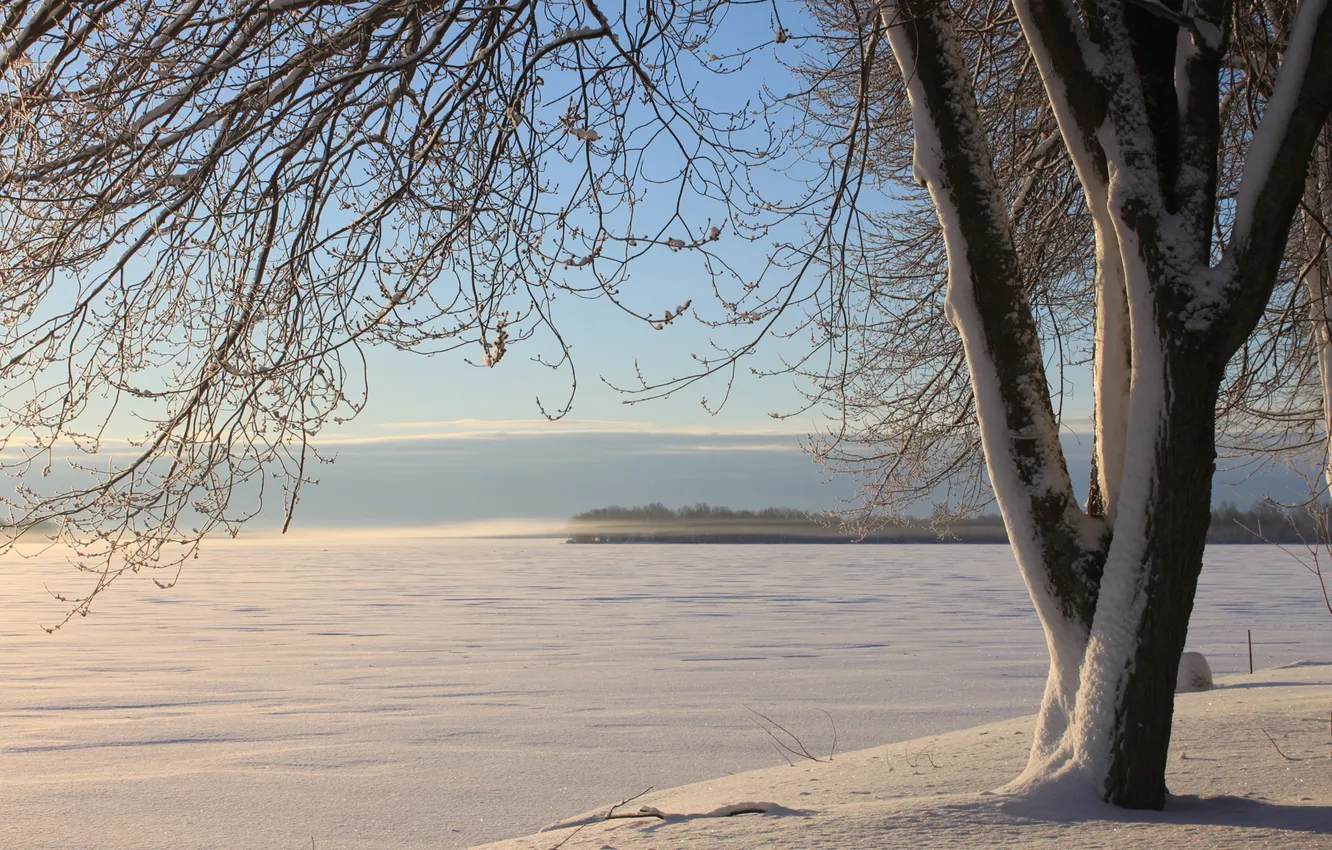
(988, 304)
(1293, 92)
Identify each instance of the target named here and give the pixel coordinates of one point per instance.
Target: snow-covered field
(444, 693)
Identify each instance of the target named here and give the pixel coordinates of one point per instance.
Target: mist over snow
(427, 480)
(515, 477)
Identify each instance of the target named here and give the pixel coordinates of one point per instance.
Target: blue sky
(443, 441)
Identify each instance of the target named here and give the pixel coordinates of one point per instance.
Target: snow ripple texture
(412, 694)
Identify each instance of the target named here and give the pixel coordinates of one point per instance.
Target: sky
(443, 441)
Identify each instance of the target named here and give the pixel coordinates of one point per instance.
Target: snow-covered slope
(1251, 766)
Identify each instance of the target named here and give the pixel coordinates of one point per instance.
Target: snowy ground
(441, 694)
(1234, 787)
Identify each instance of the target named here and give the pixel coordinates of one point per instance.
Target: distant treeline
(1264, 522)
(702, 523)
(1268, 522)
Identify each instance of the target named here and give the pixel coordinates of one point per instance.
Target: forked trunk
(1118, 739)
(1113, 591)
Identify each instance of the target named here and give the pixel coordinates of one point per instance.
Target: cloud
(729, 444)
(478, 429)
(496, 527)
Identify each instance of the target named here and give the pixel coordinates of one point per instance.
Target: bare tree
(906, 423)
(208, 208)
(1190, 129)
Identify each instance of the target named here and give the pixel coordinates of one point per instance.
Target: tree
(231, 197)
(1183, 273)
(207, 209)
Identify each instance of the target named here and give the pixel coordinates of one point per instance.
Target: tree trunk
(1177, 514)
(1115, 592)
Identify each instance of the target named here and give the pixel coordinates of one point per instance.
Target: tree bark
(1177, 515)
(1059, 548)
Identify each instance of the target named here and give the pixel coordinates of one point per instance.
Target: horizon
(440, 473)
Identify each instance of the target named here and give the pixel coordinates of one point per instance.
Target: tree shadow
(1230, 686)
(1245, 811)
(1190, 810)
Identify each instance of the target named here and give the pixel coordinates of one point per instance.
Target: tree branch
(989, 305)
(1274, 176)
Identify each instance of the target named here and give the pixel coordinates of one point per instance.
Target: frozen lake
(443, 693)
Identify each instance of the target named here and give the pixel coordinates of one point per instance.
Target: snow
(1113, 641)
(1195, 674)
(1065, 637)
(1235, 789)
(442, 693)
(1112, 365)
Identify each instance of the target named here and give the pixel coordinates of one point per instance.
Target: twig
(645, 812)
(832, 751)
(799, 750)
(570, 835)
(626, 802)
(926, 752)
(1274, 746)
(722, 812)
(780, 751)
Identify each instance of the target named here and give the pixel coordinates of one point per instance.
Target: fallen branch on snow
(723, 812)
(747, 808)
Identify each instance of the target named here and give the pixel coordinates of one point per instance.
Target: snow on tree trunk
(1320, 313)
(1058, 548)
(1126, 698)
(1135, 95)
(1112, 368)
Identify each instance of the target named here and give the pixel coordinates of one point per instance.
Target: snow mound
(1195, 674)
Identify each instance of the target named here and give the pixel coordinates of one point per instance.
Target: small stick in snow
(728, 811)
(1274, 746)
(799, 749)
(832, 751)
(626, 802)
(927, 753)
(645, 812)
(570, 835)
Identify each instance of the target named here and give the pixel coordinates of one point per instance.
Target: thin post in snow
(1249, 632)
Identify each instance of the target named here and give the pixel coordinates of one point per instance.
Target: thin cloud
(475, 429)
(497, 528)
(505, 424)
(729, 446)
